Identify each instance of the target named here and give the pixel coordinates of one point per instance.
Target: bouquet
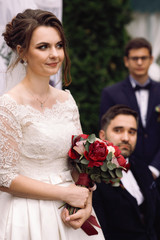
(96, 160)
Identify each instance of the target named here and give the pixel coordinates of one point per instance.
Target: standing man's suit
(148, 142)
(118, 212)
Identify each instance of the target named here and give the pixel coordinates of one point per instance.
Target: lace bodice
(32, 143)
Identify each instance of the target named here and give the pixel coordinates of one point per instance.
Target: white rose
(111, 149)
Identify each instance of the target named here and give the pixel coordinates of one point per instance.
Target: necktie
(146, 87)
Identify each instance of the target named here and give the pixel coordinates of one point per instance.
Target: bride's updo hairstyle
(19, 32)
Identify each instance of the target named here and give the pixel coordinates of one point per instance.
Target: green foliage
(91, 138)
(96, 35)
(109, 156)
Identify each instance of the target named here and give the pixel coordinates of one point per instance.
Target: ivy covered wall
(96, 36)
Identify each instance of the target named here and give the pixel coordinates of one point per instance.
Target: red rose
(72, 153)
(97, 153)
(108, 143)
(122, 161)
(117, 151)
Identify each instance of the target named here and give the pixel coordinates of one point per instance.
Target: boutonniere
(157, 108)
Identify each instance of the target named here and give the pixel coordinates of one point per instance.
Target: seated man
(131, 211)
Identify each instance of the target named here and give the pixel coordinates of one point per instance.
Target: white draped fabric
(54, 6)
(8, 9)
(147, 25)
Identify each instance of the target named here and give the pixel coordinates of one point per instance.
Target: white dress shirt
(131, 185)
(142, 97)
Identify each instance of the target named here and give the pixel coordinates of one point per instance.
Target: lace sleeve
(77, 121)
(10, 135)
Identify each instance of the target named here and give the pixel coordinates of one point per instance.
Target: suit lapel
(151, 101)
(132, 200)
(129, 197)
(138, 172)
(142, 177)
(129, 92)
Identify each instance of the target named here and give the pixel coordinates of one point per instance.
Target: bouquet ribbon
(88, 228)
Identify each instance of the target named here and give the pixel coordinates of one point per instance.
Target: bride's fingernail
(67, 218)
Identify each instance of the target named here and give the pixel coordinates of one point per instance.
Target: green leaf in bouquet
(106, 180)
(105, 175)
(96, 170)
(104, 167)
(111, 173)
(91, 138)
(115, 180)
(82, 139)
(84, 161)
(88, 170)
(81, 157)
(109, 156)
(74, 137)
(95, 178)
(76, 160)
(116, 184)
(78, 168)
(118, 172)
(87, 146)
(111, 166)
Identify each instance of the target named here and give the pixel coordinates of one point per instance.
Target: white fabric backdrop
(8, 9)
(54, 6)
(148, 26)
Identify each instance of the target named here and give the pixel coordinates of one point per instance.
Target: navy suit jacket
(148, 141)
(118, 212)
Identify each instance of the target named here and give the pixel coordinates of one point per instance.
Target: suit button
(146, 135)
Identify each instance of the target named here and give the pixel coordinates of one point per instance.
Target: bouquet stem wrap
(88, 226)
(85, 181)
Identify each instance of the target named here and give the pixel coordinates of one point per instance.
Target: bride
(36, 125)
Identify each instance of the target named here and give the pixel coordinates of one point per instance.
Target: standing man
(131, 211)
(142, 94)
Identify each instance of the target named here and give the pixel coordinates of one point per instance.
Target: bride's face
(45, 54)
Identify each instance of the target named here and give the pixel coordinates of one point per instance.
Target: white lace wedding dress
(35, 144)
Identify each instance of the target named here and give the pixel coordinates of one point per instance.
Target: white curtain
(54, 6)
(147, 25)
(8, 9)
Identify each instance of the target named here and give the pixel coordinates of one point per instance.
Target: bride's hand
(76, 196)
(77, 219)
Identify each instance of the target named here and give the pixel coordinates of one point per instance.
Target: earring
(25, 63)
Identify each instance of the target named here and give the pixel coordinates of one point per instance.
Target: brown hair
(137, 43)
(114, 111)
(19, 32)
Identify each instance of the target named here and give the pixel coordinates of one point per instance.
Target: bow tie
(138, 87)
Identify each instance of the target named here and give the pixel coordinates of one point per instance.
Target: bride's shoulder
(8, 104)
(15, 93)
(12, 99)
(62, 95)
